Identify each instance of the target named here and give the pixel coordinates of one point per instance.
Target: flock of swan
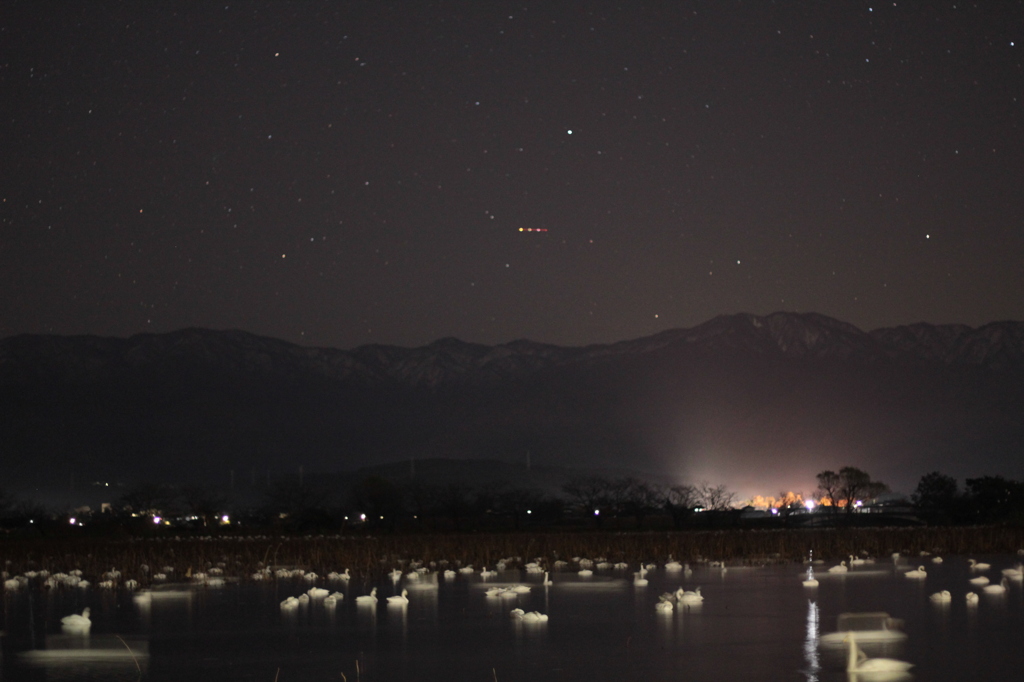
(857, 661)
(417, 577)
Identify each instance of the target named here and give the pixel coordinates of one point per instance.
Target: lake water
(754, 624)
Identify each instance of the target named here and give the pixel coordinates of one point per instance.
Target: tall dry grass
(369, 557)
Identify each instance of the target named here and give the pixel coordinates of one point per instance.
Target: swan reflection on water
(811, 642)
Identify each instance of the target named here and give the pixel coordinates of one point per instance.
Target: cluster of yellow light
(783, 500)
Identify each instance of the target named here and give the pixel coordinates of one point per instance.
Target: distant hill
(758, 402)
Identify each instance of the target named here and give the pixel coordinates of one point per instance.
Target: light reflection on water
(755, 623)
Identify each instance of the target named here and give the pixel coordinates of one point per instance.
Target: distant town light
(810, 505)
(529, 511)
(157, 520)
(225, 519)
(72, 520)
(597, 512)
(362, 517)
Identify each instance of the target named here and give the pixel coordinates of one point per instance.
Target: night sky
(335, 174)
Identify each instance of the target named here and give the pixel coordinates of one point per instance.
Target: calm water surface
(754, 624)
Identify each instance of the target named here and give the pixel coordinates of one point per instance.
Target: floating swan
(975, 566)
(980, 580)
(972, 598)
(547, 581)
(858, 662)
(693, 597)
(585, 573)
(368, 599)
(943, 597)
(917, 574)
(79, 623)
(333, 599)
(673, 565)
(810, 580)
(395, 575)
(641, 577)
(318, 593)
(534, 617)
(936, 560)
(399, 599)
(841, 568)
(999, 588)
(1016, 573)
(664, 607)
(290, 604)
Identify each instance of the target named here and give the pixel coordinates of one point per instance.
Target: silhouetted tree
(589, 494)
(638, 499)
(848, 486)
(936, 497)
(679, 501)
(714, 498)
(829, 484)
(994, 498)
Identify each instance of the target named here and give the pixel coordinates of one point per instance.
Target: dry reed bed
(369, 557)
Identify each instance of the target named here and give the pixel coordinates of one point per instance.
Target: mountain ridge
(742, 399)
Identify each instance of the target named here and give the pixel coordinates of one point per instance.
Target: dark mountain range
(759, 403)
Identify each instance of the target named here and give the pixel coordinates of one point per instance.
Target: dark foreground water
(754, 624)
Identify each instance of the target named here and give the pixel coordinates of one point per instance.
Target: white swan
(971, 598)
(79, 623)
(399, 599)
(673, 565)
(585, 573)
(980, 580)
(810, 580)
(534, 617)
(858, 662)
(943, 597)
(841, 568)
(368, 599)
(664, 607)
(691, 597)
(641, 577)
(975, 566)
(917, 574)
(936, 560)
(290, 604)
(999, 588)
(547, 581)
(1016, 573)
